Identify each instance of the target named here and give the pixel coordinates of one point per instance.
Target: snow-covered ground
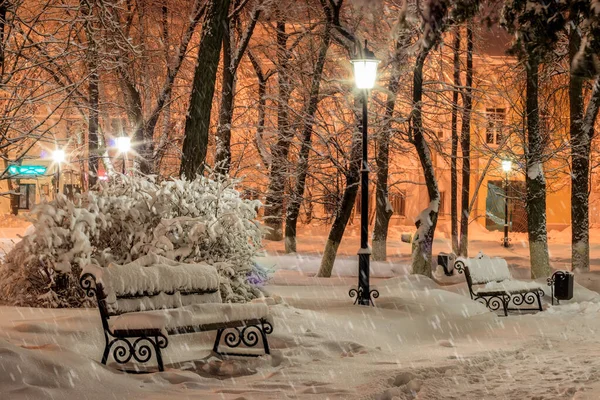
(424, 339)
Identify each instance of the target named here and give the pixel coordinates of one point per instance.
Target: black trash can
(562, 285)
(447, 262)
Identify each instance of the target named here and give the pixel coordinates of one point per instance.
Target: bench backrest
(483, 269)
(487, 269)
(150, 283)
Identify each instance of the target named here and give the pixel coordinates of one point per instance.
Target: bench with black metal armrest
(143, 303)
(490, 282)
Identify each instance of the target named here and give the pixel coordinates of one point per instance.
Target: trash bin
(562, 285)
(446, 260)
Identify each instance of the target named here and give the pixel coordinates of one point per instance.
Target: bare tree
(197, 122)
(528, 21)
(330, 10)
(235, 42)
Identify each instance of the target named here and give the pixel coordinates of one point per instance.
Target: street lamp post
(506, 167)
(123, 146)
(365, 73)
(58, 156)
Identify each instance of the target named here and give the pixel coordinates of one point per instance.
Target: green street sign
(26, 170)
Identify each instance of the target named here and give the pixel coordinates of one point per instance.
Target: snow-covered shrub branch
(184, 220)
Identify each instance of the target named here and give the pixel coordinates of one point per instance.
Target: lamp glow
(58, 156)
(123, 144)
(365, 69)
(506, 165)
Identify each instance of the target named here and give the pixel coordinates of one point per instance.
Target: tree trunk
(93, 93)
(261, 111)
(223, 138)
(3, 10)
(297, 196)
(232, 54)
(423, 241)
(454, 156)
(274, 199)
(465, 146)
(535, 180)
(93, 150)
(197, 121)
(581, 140)
(580, 153)
(348, 200)
(383, 208)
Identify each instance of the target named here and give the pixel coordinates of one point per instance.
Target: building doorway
(25, 199)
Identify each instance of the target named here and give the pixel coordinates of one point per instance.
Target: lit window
(398, 201)
(494, 125)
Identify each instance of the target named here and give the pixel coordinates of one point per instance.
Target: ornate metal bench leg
(217, 341)
(107, 347)
(505, 301)
(159, 360)
(539, 300)
(266, 329)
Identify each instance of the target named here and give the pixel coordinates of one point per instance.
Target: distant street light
(365, 74)
(506, 167)
(123, 144)
(58, 156)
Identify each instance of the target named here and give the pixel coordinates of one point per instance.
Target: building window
(495, 125)
(26, 196)
(442, 205)
(398, 201)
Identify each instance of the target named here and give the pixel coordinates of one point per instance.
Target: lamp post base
(361, 298)
(363, 293)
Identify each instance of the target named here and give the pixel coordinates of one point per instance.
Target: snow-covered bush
(188, 221)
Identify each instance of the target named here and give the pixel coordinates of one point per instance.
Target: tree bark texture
(197, 122)
(280, 150)
(535, 180)
(422, 253)
(348, 200)
(580, 164)
(232, 55)
(223, 138)
(383, 209)
(454, 150)
(93, 93)
(465, 146)
(297, 196)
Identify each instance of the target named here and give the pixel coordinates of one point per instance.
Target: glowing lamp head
(506, 165)
(365, 69)
(123, 144)
(58, 156)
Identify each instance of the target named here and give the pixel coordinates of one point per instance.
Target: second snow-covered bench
(490, 282)
(144, 302)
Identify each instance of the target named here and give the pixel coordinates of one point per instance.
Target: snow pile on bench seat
(152, 274)
(509, 286)
(190, 316)
(485, 269)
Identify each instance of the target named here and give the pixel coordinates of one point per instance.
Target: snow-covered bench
(491, 283)
(144, 302)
